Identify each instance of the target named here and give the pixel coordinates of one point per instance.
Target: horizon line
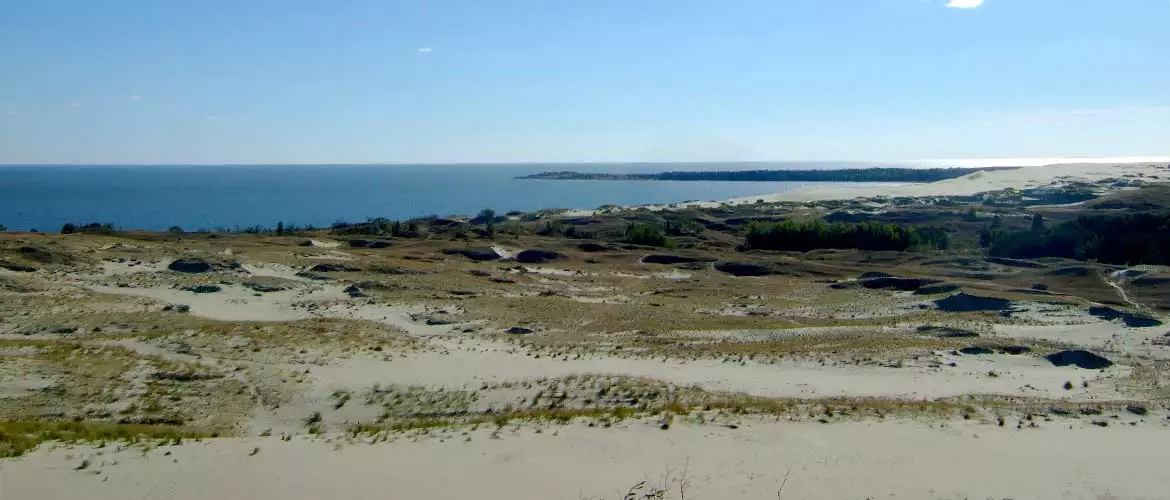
(959, 162)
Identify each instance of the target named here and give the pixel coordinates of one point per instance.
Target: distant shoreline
(876, 174)
(756, 164)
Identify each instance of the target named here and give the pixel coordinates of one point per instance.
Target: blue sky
(354, 81)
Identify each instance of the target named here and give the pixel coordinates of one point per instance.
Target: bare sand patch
(1074, 325)
(550, 271)
(123, 267)
(236, 303)
(804, 460)
(14, 385)
(275, 271)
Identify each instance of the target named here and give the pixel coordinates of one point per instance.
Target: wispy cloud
(213, 118)
(135, 97)
(75, 104)
(964, 4)
(11, 113)
(425, 50)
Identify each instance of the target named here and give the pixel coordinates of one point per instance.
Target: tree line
(1142, 238)
(817, 234)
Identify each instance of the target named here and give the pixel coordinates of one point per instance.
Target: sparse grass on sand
(17, 438)
(605, 400)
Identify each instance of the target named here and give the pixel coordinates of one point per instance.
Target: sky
(427, 81)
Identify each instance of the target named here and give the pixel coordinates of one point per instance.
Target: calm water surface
(156, 197)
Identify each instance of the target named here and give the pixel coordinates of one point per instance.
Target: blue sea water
(193, 197)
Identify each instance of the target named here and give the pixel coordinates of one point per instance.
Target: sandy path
(835, 461)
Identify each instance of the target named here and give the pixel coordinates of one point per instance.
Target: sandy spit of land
(1027, 177)
(979, 182)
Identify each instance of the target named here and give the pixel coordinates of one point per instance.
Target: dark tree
(92, 227)
(790, 235)
(1128, 239)
(488, 216)
(986, 236)
(646, 234)
(1037, 223)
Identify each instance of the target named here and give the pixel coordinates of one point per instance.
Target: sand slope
(836, 461)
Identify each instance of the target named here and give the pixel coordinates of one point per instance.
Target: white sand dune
(1063, 459)
(980, 182)
(1031, 176)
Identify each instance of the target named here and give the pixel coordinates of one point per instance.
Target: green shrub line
(818, 234)
(1127, 239)
(646, 234)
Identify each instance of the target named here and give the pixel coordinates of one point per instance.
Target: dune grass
(18, 438)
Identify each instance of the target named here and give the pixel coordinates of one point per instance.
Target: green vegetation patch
(17, 438)
(805, 236)
(1128, 239)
